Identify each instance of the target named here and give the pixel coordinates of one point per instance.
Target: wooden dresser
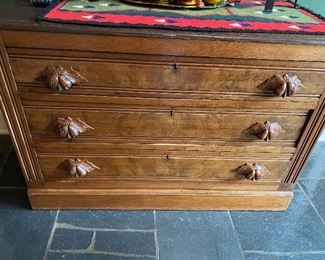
(158, 119)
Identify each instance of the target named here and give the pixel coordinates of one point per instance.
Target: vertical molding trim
(3, 127)
(309, 138)
(13, 113)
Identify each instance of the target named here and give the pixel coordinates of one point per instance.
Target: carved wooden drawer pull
(71, 128)
(252, 171)
(59, 78)
(265, 131)
(283, 86)
(79, 168)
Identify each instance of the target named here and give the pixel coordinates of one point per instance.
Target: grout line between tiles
(69, 226)
(237, 236)
(76, 251)
(91, 247)
(296, 253)
(49, 242)
(156, 235)
(311, 203)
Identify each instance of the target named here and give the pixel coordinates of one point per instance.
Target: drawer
(140, 165)
(222, 78)
(163, 123)
(187, 159)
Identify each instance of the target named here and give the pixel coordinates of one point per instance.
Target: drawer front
(163, 123)
(159, 166)
(168, 76)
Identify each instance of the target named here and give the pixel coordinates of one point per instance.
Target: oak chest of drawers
(138, 119)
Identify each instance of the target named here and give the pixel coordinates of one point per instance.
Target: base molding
(159, 199)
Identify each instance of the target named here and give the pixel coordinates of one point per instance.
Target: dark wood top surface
(20, 15)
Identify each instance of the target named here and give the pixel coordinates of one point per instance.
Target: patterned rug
(315, 6)
(247, 16)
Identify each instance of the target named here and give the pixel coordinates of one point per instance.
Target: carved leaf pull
(284, 86)
(265, 131)
(252, 171)
(71, 128)
(59, 78)
(79, 168)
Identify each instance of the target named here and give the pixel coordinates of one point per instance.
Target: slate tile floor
(298, 233)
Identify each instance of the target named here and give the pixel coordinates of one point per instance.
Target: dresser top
(20, 15)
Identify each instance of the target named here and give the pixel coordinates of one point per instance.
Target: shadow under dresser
(157, 119)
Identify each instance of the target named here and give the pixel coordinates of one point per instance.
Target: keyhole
(172, 113)
(175, 66)
(167, 157)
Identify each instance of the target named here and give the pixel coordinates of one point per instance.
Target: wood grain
(152, 199)
(171, 165)
(172, 45)
(96, 56)
(314, 129)
(96, 97)
(111, 183)
(168, 121)
(13, 113)
(163, 123)
(87, 145)
(149, 75)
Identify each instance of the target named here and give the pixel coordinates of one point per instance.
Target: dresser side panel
(311, 134)
(12, 111)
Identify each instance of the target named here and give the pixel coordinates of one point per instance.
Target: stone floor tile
(108, 219)
(91, 256)
(315, 165)
(192, 235)
(71, 239)
(23, 232)
(12, 175)
(297, 229)
(227, 243)
(291, 256)
(138, 243)
(315, 190)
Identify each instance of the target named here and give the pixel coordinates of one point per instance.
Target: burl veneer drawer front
(164, 166)
(157, 123)
(162, 75)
